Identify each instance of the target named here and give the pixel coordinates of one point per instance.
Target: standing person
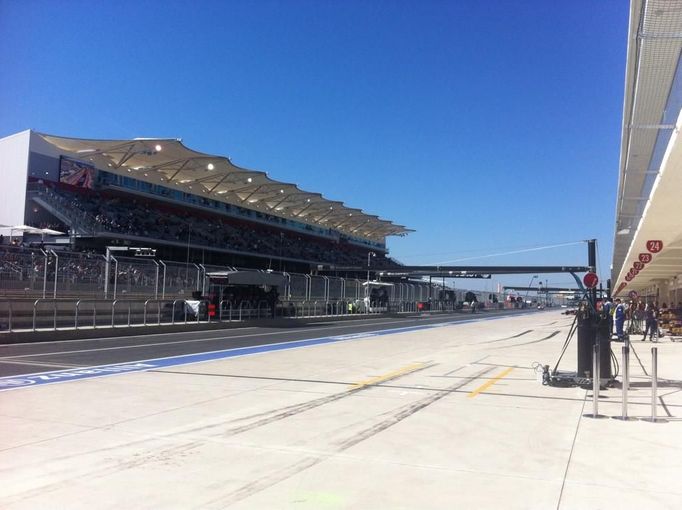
(619, 317)
(651, 325)
(608, 312)
(640, 315)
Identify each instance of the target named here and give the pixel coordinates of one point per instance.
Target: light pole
(529, 286)
(370, 254)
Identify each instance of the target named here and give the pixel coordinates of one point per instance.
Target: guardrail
(92, 313)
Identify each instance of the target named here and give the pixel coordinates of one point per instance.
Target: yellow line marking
(390, 375)
(488, 384)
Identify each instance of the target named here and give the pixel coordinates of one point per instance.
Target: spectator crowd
(98, 212)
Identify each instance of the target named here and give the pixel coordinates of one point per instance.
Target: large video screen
(76, 173)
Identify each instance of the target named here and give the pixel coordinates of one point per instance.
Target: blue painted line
(76, 374)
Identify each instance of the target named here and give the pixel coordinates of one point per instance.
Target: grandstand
(188, 206)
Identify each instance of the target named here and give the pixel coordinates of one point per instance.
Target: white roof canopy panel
(169, 163)
(660, 222)
(651, 105)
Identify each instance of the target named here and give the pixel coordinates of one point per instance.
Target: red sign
(621, 287)
(628, 277)
(633, 294)
(654, 246)
(634, 271)
(645, 258)
(638, 265)
(590, 280)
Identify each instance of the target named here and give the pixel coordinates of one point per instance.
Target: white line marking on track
(74, 340)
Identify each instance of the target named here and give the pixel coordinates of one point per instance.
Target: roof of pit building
(647, 207)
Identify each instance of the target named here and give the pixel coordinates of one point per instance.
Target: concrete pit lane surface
(435, 413)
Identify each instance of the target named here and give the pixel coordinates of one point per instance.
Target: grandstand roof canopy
(170, 163)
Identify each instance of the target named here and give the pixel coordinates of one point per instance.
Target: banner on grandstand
(76, 173)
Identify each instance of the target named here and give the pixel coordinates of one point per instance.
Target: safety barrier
(625, 388)
(92, 312)
(331, 308)
(26, 272)
(42, 274)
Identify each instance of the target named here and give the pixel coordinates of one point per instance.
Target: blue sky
(488, 127)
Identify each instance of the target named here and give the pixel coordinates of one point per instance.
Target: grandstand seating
(118, 214)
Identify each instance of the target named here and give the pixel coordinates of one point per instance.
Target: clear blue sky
(486, 126)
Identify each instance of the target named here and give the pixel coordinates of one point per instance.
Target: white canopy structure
(648, 239)
(170, 163)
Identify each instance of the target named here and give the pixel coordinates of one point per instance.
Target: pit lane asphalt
(29, 358)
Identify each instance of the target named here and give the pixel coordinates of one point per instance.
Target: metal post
(44, 272)
(654, 383)
(115, 274)
(370, 254)
(189, 238)
(113, 313)
(56, 269)
(626, 382)
(107, 264)
(75, 320)
(287, 286)
(35, 303)
(595, 383)
(203, 280)
(163, 285)
(156, 282)
(199, 277)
